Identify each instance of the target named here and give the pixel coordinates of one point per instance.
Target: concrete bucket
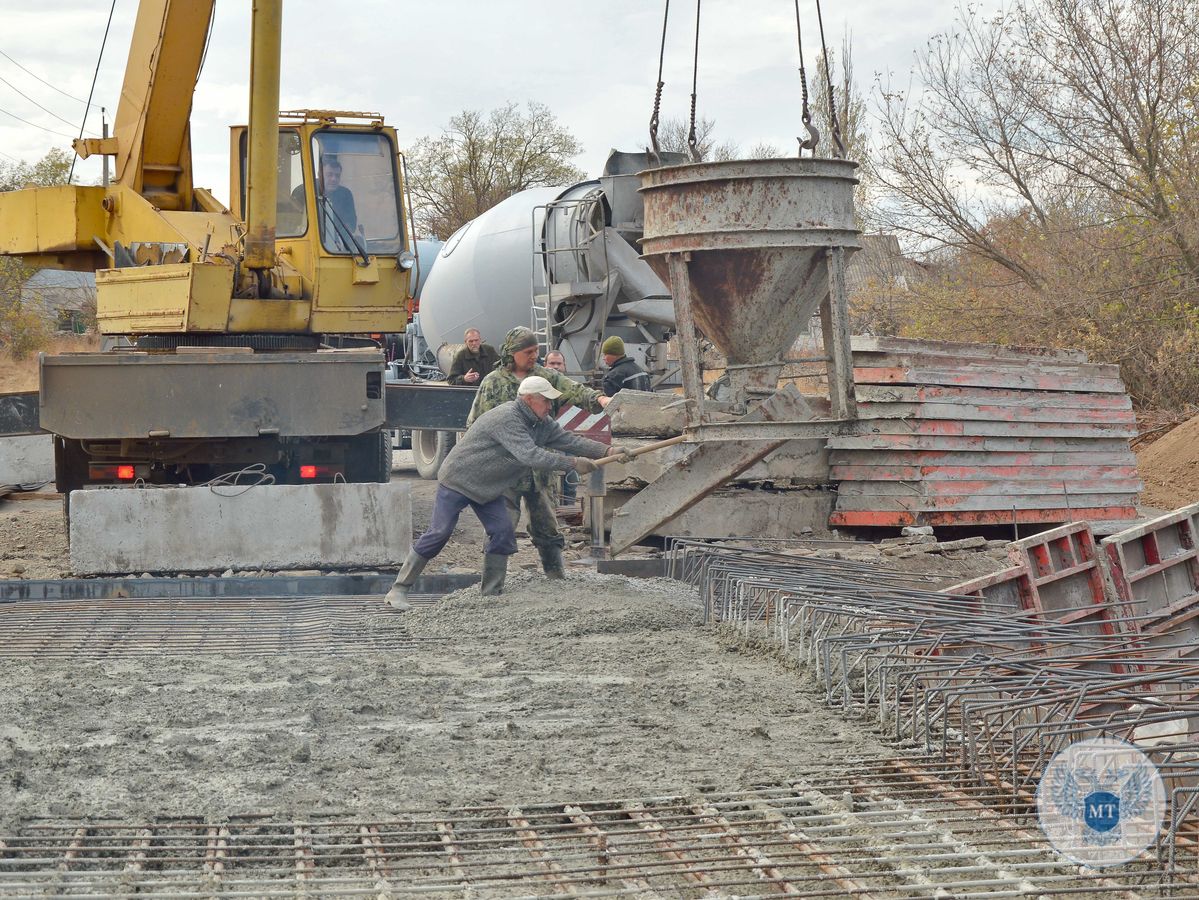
(756, 232)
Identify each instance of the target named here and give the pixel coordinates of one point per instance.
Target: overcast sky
(593, 63)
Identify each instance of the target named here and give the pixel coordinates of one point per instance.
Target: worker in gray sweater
(496, 453)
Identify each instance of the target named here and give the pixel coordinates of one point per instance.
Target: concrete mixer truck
(563, 261)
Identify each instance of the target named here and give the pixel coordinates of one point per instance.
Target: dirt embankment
(1170, 468)
(21, 374)
(598, 686)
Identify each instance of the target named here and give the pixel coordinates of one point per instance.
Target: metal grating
(883, 828)
(93, 629)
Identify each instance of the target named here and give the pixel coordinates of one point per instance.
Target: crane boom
(151, 136)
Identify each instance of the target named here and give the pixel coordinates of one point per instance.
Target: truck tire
(429, 450)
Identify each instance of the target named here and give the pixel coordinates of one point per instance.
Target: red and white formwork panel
(1155, 573)
(1059, 576)
(1069, 581)
(975, 434)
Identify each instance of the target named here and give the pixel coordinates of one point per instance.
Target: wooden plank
(990, 488)
(980, 459)
(980, 473)
(916, 503)
(950, 428)
(996, 413)
(900, 518)
(704, 470)
(869, 344)
(939, 393)
(975, 443)
(966, 376)
(981, 363)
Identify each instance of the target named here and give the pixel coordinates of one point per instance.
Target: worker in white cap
(495, 453)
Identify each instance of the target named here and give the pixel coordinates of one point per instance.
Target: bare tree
(483, 158)
(1081, 105)
(53, 168)
(673, 134)
(852, 121)
(1052, 157)
(673, 137)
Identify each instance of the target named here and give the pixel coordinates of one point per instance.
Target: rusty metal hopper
(757, 232)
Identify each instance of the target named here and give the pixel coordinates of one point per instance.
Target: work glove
(621, 453)
(584, 466)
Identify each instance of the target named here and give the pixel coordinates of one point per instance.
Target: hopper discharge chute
(755, 234)
(751, 249)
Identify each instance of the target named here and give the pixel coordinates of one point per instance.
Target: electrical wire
(207, 42)
(34, 124)
(95, 75)
(35, 103)
(39, 78)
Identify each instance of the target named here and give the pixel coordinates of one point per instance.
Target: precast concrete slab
(265, 527)
(26, 459)
(737, 513)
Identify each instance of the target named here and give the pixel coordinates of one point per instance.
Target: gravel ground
(598, 686)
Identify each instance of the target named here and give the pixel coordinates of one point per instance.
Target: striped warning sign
(596, 426)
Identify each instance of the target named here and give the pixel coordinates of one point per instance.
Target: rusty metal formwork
(1155, 572)
(970, 434)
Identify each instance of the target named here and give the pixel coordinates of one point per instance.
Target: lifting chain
(655, 151)
(692, 142)
(813, 138)
(838, 142)
(810, 143)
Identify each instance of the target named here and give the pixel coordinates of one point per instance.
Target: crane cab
(340, 223)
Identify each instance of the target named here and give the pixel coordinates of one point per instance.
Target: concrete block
(795, 461)
(765, 514)
(315, 526)
(642, 412)
(27, 459)
(970, 543)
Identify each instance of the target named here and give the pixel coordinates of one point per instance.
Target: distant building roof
(61, 278)
(50, 291)
(880, 261)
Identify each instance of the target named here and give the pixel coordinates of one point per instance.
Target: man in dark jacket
(622, 371)
(473, 361)
(494, 455)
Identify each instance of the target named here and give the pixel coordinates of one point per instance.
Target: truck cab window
(357, 193)
(291, 212)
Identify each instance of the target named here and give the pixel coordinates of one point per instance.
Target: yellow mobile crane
(223, 308)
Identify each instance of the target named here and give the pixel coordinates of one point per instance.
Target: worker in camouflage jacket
(518, 360)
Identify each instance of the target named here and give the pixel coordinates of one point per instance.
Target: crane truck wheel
(429, 450)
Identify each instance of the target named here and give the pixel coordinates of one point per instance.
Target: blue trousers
(448, 505)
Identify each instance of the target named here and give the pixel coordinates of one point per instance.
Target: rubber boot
(397, 597)
(551, 562)
(495, 569)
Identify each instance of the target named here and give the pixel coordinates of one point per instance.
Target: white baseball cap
(535, 384)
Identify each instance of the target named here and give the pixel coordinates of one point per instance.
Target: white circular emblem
(1101, 802)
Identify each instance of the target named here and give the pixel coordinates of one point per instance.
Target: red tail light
(308, 472)
(122, 472)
